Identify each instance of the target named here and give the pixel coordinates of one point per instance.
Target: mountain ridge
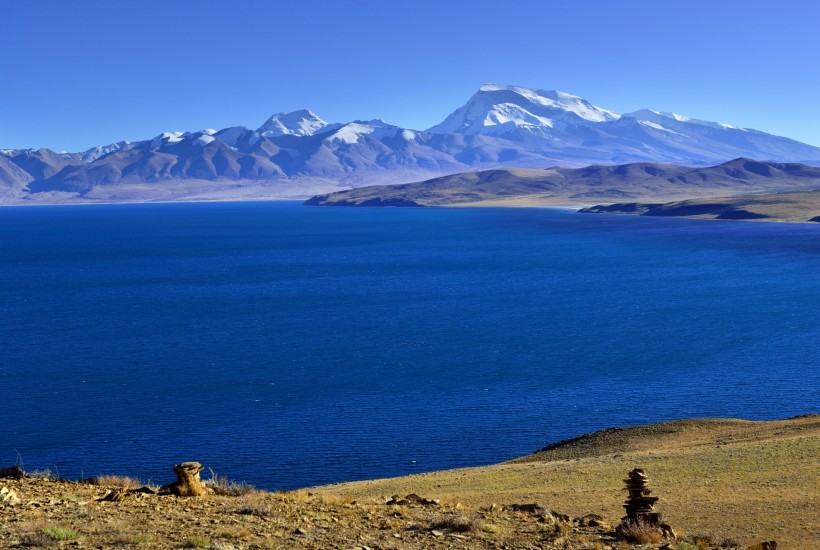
(499, 126)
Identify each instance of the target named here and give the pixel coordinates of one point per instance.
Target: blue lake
(288, 346)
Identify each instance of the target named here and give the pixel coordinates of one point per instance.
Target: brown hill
(584, 186)
(781, 207)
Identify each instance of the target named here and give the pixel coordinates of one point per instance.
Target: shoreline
(562, 206)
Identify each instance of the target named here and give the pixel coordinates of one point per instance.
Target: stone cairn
(639, 504)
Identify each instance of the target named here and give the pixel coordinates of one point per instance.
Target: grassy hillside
(730, 482)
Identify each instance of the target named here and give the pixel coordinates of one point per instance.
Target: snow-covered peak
(376, 128)
(497, 109)
(298, 123)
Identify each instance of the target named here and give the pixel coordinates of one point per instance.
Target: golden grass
(745, 480)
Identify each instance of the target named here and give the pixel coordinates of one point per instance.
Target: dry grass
(123, 482)
(257, 503)
(221, 485)
(456, 523)
(640, 532)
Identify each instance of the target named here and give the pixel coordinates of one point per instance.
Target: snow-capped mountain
(299, 154)
(497, 110)
(298, 123)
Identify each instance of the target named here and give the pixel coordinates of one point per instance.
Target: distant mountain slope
(499, 127)
(582, 186)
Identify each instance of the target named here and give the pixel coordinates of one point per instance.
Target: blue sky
(77, 73)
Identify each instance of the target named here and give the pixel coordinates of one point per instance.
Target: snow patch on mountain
(656, 126)
(664, 117)
(204, 140)
(101, 150)
(168, 138)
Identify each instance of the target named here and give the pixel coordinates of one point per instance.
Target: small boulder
(9, 496)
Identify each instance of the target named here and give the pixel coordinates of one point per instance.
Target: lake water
(288, 346)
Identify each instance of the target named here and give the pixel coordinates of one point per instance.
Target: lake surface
(288, 346)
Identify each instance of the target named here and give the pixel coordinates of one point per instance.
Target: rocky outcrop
(188, 483)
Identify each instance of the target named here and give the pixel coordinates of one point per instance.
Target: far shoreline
(505, 204)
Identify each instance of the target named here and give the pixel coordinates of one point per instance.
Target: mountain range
(297, 154)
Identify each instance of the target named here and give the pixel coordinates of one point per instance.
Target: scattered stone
(538, 510)
(533, 508)
(188, 483)
(12, 472)
(437, 533)
(591, 520)
(9, 496)
(411, 499)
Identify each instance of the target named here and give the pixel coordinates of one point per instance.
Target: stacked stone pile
(640, 504)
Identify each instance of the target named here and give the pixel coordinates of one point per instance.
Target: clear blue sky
(76, 73)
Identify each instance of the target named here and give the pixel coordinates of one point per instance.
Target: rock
(668, 532)
(188, 483)
(412, 498)
(9, 496)
(114, 495)
(590, 520)
(12, 472)
(765, 545)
